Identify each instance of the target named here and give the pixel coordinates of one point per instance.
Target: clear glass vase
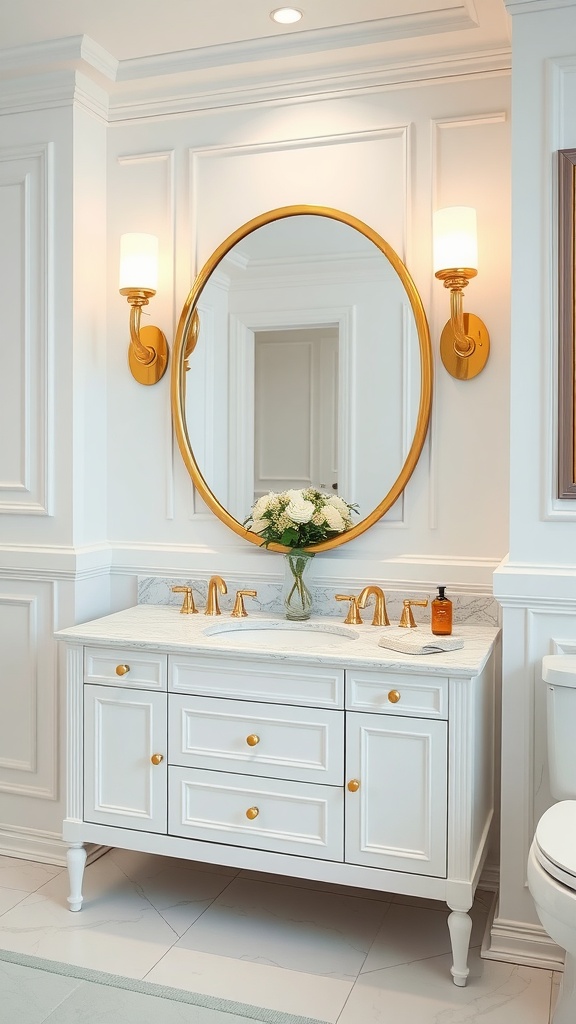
(296, 595)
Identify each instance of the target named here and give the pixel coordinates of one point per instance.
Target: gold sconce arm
(465, 342)
(148, 350)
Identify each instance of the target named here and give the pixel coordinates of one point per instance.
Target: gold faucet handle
(188, 606)
(407, 618)
(239, 611)
(353, 618)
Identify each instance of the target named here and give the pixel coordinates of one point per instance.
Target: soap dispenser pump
(441, 621)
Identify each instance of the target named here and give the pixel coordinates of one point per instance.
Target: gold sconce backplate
(150, 373)
(468, 366)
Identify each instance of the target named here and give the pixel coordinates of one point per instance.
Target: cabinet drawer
(125, 668)
(276, 815)
(390, 693)
(276, 682)
(303, 744)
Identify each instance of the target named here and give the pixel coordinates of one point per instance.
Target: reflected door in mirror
(296, 410)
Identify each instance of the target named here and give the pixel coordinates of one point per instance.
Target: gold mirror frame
(185, 341)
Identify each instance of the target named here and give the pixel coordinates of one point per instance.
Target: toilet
(552, 858)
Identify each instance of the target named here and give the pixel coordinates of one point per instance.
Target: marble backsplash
(469, 608)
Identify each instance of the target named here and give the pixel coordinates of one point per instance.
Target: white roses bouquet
(298, 519)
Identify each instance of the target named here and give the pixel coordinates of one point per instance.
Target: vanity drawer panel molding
(395, 694)
(396, 801)
(303, 744)
(141, 669)
(258, 680)
(125, 761)
(276, 815)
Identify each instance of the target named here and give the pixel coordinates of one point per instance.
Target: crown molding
(183, 95)
(58, 55)
(295, 44)
(51, 90)
(535, 6)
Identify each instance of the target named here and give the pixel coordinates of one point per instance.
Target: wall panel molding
(158, 192)
(29, 745)
(26, 212)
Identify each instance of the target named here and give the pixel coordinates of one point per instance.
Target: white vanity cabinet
(346, 767)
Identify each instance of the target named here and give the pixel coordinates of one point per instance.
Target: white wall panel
(365, 174)
(459, 146)
(28, 692)
(145, 202)
(25, 215)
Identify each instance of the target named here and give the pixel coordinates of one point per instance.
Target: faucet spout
(216, 583)
(380, 613)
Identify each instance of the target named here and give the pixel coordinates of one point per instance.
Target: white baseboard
(43, 847)
(521, 943)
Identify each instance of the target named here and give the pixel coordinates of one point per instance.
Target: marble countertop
(319, 640)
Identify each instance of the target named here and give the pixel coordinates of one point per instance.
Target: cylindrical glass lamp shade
(139, 262)
(455, 238)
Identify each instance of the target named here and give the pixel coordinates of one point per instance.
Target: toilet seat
(555, 842)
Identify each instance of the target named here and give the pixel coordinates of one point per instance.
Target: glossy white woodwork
(397, 818)
(303, 744)
(355, 765)
(123, 730)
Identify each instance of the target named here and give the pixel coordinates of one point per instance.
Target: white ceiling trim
(368, 33)
(183, 95)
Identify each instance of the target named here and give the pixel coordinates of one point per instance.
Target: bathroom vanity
(304, 749)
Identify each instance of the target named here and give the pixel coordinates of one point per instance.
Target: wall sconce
(465, 342)
(148, 351)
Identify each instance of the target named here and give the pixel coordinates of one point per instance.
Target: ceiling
(132, 29)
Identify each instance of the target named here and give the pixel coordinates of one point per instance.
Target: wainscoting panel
(25, 215)
(28, 690)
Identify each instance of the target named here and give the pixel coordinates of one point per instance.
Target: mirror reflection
(309, 366)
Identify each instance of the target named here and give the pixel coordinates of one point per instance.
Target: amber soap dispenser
(441, 621)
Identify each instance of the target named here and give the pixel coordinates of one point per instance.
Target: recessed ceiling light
(286, 15)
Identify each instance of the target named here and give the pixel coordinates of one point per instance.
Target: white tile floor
(341, 955)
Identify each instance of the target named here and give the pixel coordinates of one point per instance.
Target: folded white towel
(424, 643)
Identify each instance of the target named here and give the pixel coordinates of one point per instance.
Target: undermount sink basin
(301, 636)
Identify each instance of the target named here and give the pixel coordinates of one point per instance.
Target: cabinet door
(123, 729)
(397, 817)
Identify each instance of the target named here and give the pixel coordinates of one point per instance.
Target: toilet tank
(559, 675)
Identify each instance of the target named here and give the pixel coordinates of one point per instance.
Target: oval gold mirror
(302, 359)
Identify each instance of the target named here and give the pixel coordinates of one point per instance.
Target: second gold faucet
(380, 613)
(216, 583)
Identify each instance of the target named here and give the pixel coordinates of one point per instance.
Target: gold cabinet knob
(354, 785)
(157, 758)
(252, 813)
(394, 696)
(252, 740)
(122, 670)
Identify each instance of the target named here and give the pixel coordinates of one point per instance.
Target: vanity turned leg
(76, 859)
(460, 927)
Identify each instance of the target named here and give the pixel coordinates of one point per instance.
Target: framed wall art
(566, 324)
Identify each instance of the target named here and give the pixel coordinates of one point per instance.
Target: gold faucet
(188, 606)
(239, 611)
(353, 618)
(212, 607)
(380, 613)
(407, 619)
